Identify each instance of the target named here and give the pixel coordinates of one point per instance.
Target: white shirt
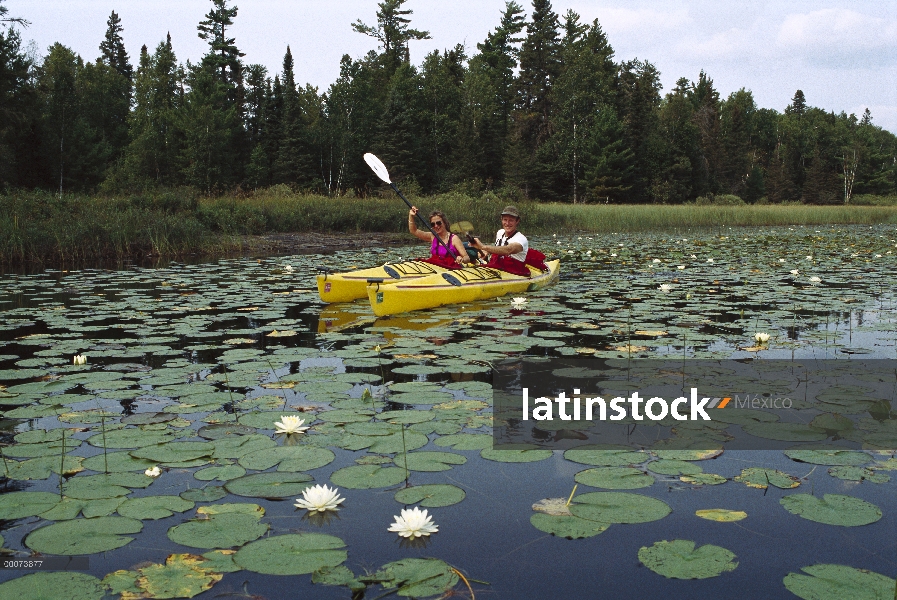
(501, 240)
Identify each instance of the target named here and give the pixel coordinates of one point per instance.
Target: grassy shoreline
(43, 228)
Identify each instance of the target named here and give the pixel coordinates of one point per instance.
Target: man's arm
(512, 248)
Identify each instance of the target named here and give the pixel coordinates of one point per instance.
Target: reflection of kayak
(345, 287)
(340, 317)
(451, 287)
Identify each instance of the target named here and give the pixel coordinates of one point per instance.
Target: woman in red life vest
(451, 251)
(511, 246)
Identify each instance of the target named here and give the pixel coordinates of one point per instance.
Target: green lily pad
(614, 478)
(365, 477)
(515, 456)
(432, 495)
(858, 474)
(567, 526)
(129, 438)
(153, 507)
(757, 477)
(47, 584)
(429, 461)
(618, 507)
(83, 536)
(292, 554)
(465, 441)
(787, 432)
(117, 462)
(221, 561)
(224, 530)
(288, 458)
(222, 473)
(832, 509)
(832, 457)
(679, 559)
(182, 576)
(604, 456)
(836, 582)
(70, 508)
(18, 505)
(268, 485)
(703, 479)
(237, 446)
(418, 577)
(175, 452)
(42, 468)
(666, 466)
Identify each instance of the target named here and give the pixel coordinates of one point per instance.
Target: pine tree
(113, 48)
(393, 33)
(223, 57)
(18, 111)
(638, 106)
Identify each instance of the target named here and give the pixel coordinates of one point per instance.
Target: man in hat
(511, 246)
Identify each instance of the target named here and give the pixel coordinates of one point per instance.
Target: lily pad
(224, 530)
(757, 477)
(182, 576)
(465, 441)
(288, 458)
(604, 456)
(83, 536)
(153, 507)
(614, 478)
(515, 455)
(175, 452)
(17, 505)
(829, 456)
(47, 584)
(703, 479)
(365, 477)
(206, 494)
(268, 485)
(567, 526)
(619, 507)
(429, 461)
(836, 582)
(292, 554)
(666, 466)
(721, 515)
(832, 509)
(222, 473)
(679, 559)
(432, 495)
(418, 577)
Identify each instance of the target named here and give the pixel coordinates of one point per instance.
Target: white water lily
(154, 472)
(761, 337)
(290, 424)
(666, 287)
(815, 279)
(656, 260)
(288, 268)
(809, 258)
(878, 256)
(613, 253)
(518, 302)
(319, 498)
(414, 523)
(80, 359)
(781, 260)
(694, 255)
(680, 267)
(794, 271)
(710, 260)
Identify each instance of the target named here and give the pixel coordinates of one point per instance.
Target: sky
(843, 55)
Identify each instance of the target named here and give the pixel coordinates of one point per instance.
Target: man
(511, 246)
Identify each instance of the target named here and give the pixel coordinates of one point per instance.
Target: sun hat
(511, 210)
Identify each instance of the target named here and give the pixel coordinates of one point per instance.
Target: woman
(451, 251)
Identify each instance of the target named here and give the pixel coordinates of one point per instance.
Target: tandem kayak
(345, 287)
(453, 287)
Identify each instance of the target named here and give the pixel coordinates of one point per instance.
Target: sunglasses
(436, 223)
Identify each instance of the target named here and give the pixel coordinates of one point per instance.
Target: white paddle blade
(377, 167)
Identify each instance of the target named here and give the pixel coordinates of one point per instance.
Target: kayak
(453, 287)
(345, 287)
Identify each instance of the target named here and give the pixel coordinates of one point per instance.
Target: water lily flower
(781, 260)
(656, 260)
(518, 302)
(290, 424)
(414, 523)
(794, 271)
(377, 348)
(614, 253)
(80, 359)
(288, 268)
(154, 472)
(809, 258)
(319, 498)
(694, 255)
(878, 256)
(666, 287)
(761, 337)
(710, 260)
(815, 279)
(680, 267)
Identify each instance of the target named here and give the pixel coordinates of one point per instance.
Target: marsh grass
(43, 227)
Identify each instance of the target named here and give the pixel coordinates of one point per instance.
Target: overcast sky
(843, 55)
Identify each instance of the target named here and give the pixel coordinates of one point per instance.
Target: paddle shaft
(422, 220)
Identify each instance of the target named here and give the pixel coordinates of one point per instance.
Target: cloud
(734, 44)
(839, 38)
(624, 20)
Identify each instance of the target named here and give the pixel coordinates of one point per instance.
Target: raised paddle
(380, 171)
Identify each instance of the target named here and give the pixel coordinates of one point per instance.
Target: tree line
(540, 110)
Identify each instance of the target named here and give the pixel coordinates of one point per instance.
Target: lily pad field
(159, 425)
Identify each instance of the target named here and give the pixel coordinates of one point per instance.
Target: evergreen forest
(540, 109)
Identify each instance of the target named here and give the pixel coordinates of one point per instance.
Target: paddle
(380, 171)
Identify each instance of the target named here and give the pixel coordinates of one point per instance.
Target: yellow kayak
(453, 287)
(345, 287)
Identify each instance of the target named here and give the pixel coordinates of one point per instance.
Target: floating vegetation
(215, 395)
